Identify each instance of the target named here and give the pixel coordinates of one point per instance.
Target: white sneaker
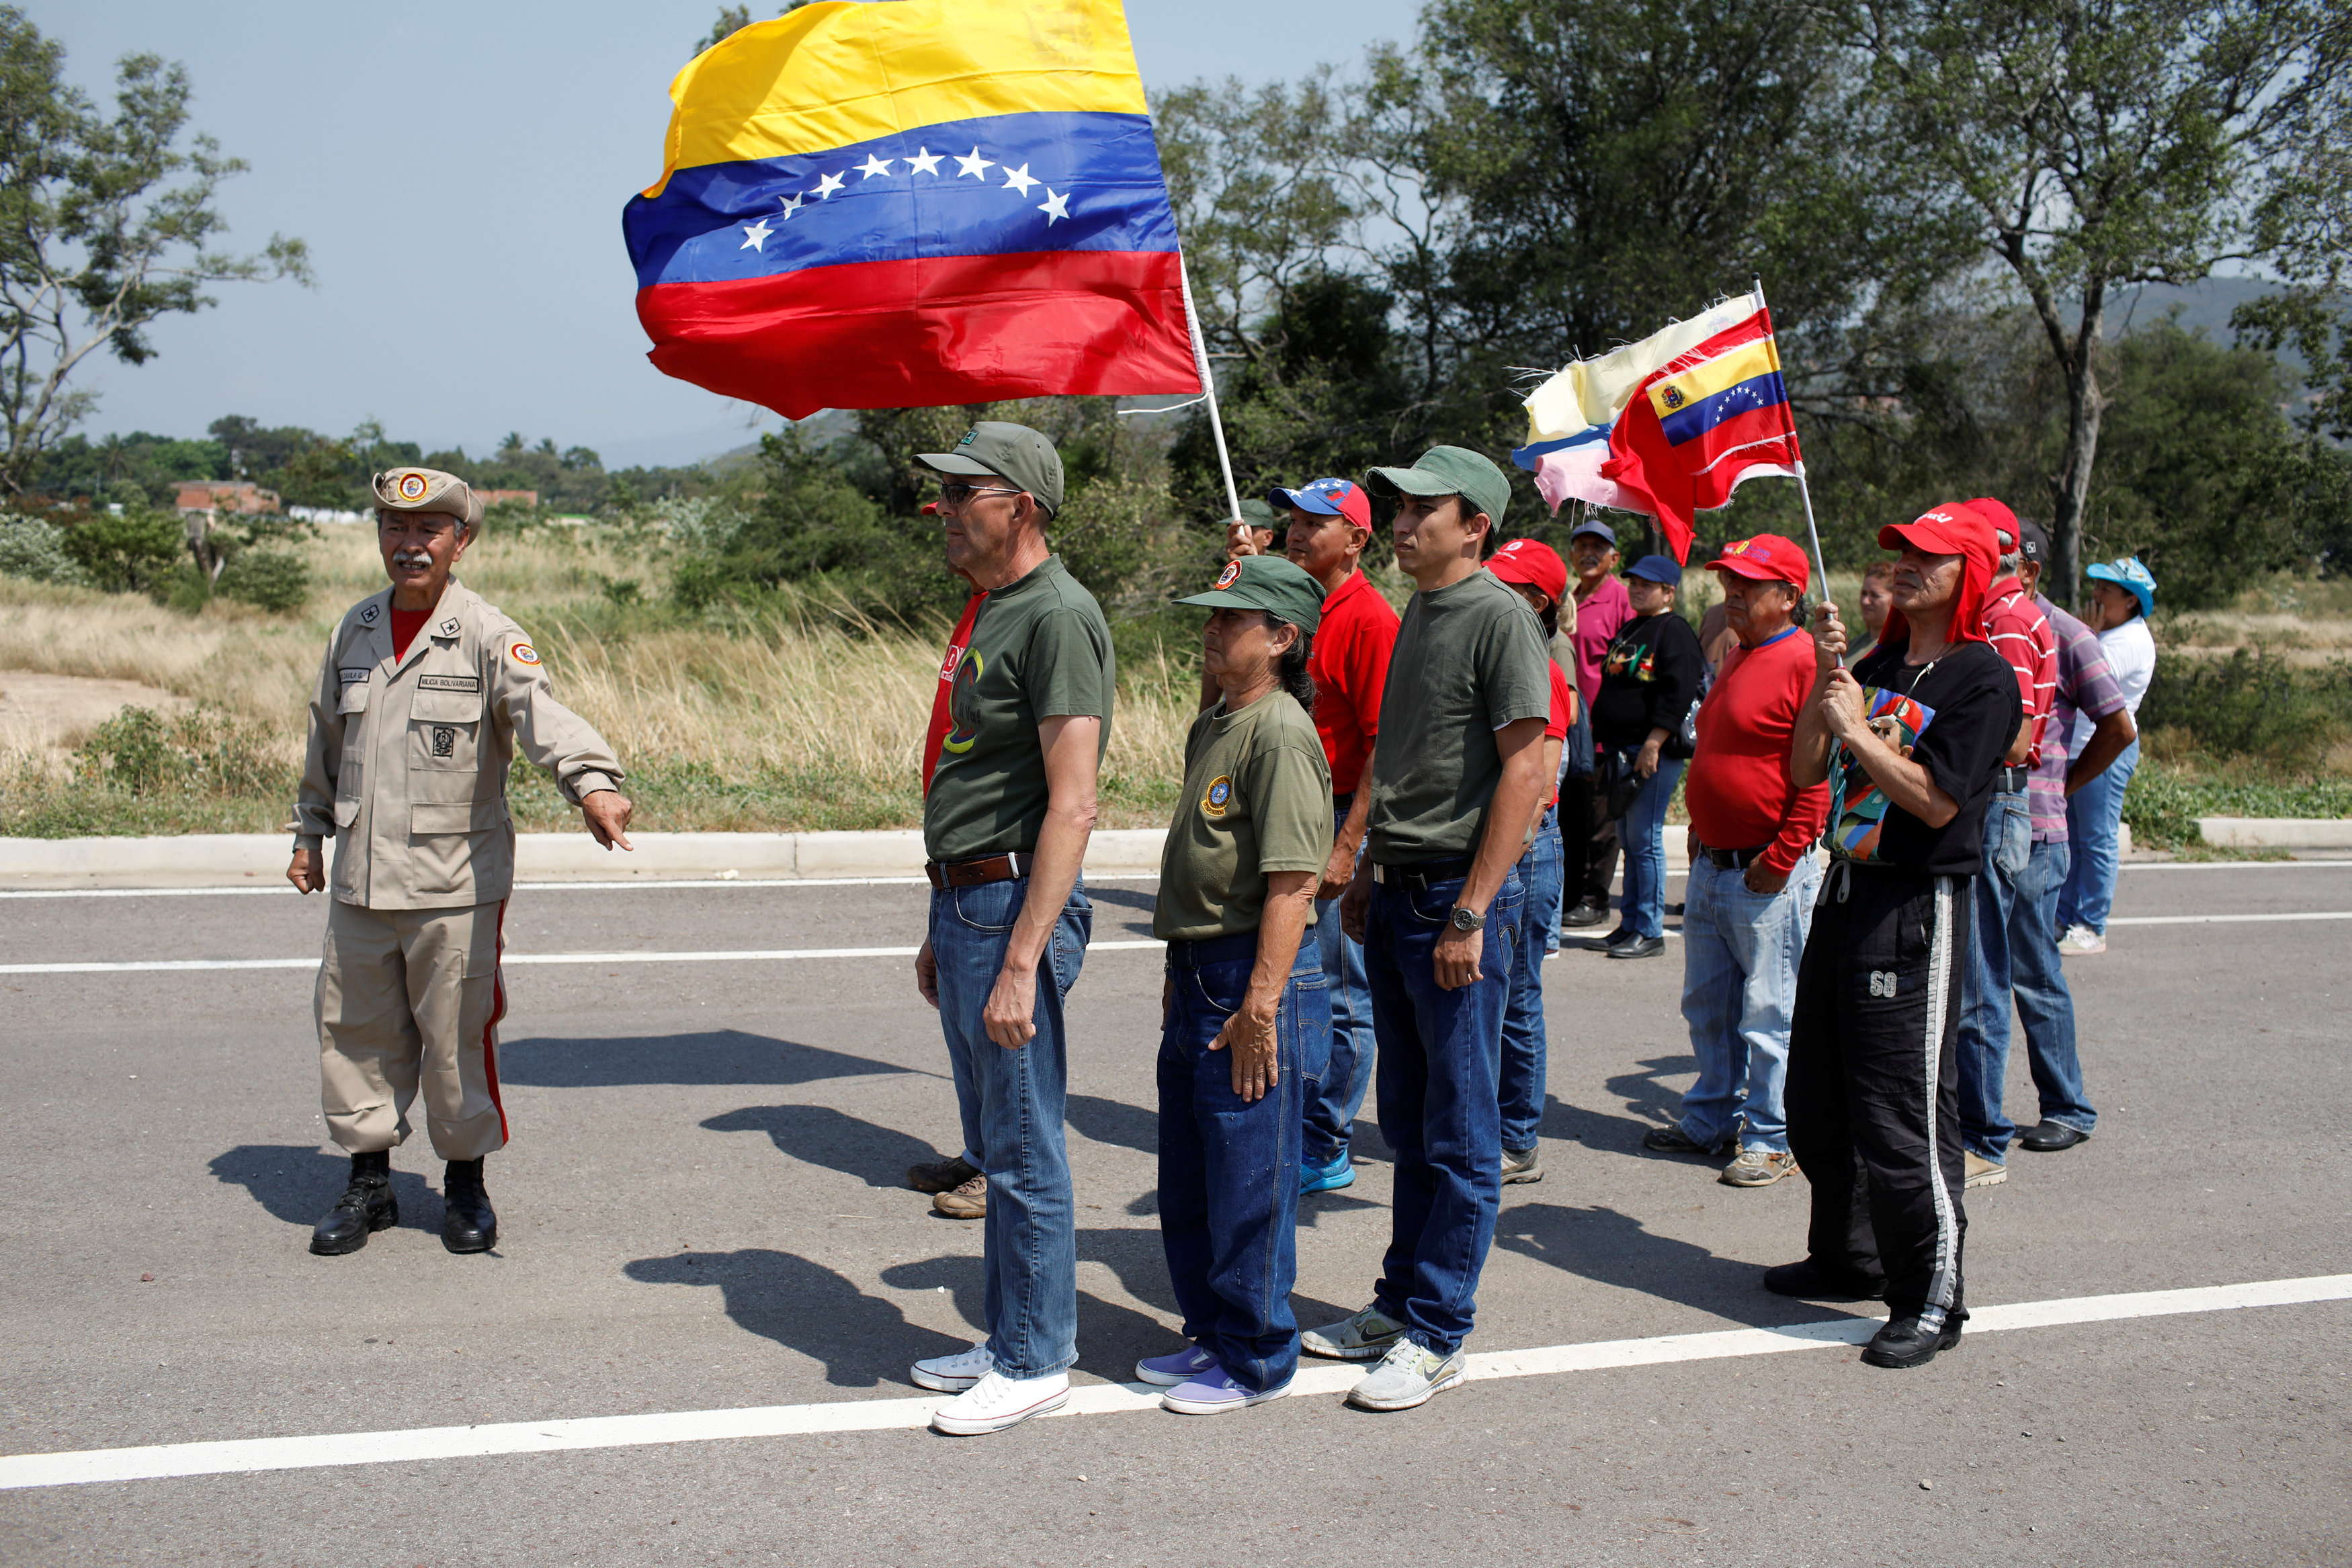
(2080, 940)
(954, 1374)
(996, 1402)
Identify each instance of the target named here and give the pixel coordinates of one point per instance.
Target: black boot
(366, 1206)
(1905, 1341)
(467, 1222)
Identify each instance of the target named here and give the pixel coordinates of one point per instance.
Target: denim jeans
(1642, 832)
(1522, 1079)
(1439, 1060)
(1741, 951)
(1342, 1078)
(1229, 1170)
(2014, 952)
(1013, 1105)
(2094, 818)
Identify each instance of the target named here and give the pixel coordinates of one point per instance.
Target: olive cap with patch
(1448, 471)
(427, 490)
(1273, 583)
(1015, 453)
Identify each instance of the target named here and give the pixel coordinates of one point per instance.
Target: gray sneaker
(1522, 1164)
(1367, 1336)
(1759, 1167)
(1405, 1377)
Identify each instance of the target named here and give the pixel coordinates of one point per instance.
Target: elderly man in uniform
(424, 695)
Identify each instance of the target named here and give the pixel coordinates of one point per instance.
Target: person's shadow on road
(863, 1340)
(298, 1183)
(821, 1135)
(1650, 1103)
(710, 1057)
(1613, 1248)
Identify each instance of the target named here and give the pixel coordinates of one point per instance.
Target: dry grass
(794, 716)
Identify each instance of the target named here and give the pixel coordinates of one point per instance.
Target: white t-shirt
(2130, 651)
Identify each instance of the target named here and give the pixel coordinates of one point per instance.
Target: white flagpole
(1208, 385)
(1803, 489)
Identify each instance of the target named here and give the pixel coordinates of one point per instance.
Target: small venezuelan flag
(916, 202)
(1696, 427)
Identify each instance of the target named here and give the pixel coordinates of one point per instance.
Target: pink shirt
(1597, 620)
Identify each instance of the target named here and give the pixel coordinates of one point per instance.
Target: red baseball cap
(1767, 557)
(2003, 522)
(1533, 563)
(1950, 528)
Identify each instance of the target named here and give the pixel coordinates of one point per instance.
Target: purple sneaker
(1168, 1371)
(1214, 1393)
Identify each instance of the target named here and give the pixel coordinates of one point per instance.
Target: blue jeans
(1012, 1103)
(1229, 1170)
(1439, 1060)
(1342, 1078)
(1522, 1079)
(1741, 951)
(2014, 952)
(1644, 909)
(2095, 817)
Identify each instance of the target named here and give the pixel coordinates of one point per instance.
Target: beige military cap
(428, 490)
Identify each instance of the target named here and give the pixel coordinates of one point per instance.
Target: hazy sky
(459, 172)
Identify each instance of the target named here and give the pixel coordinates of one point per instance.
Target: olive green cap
(1014, 452)
(427, 490)
(1273, 583)
(1448, 471)
(1258, 515)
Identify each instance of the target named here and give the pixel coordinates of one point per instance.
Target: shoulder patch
(448, 627)
(522, 653)
(368, 614)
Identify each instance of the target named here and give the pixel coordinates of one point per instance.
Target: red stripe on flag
(1700, 455)
(908, 334)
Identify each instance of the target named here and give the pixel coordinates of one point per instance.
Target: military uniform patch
(349, 675)
(449, 627)
(445, 741)
(447, 682)
(368, 614)
(522, 653)
(1220, 795)
(409, 486)
(1227, 578)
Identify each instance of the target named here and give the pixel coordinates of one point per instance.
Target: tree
(2098, 143)
(105, 226)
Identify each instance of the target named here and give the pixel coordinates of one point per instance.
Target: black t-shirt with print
(1973, 694)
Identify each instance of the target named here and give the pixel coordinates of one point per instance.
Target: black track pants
(1588, 837)
(1872, 1091)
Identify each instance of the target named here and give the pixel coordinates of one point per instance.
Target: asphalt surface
(703, 1208)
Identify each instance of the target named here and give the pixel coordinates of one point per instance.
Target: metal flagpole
(1804, 490)
(1208, 385)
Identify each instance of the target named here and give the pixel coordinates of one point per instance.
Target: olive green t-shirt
(1039, 649)
(1469, 659)
(1258, 799)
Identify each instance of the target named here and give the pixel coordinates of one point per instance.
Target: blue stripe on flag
(1525, 457)
(1766, 390)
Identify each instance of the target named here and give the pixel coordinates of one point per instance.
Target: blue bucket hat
(2127, 573)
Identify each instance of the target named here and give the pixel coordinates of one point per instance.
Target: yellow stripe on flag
(841, 71)
(1723, 372)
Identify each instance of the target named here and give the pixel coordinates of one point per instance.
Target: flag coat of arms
(926, 201)
(1670, 425)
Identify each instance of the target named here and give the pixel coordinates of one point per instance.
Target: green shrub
(276, 581)
(133, 752)
(129, 551)
(2255, 704)
(34, 548)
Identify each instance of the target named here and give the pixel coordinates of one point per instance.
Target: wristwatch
(1465, 921)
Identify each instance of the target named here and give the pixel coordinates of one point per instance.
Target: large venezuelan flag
(913, 202)
(1699, 425)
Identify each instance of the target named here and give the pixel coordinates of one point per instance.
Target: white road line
(247, 1456)
(2230, 919)
(542, 887)
(718, 956)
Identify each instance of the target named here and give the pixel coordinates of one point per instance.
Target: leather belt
(980, 871)
(2010, 780)
(1343, 802)
(1732, 860)
(1421, 873)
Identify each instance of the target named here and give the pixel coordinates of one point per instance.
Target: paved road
(702, 1211)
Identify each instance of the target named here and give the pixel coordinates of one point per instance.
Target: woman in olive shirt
(1245, 1013)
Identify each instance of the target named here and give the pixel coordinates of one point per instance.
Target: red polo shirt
(1738, 790)
(1350, 668)
(2021, 635)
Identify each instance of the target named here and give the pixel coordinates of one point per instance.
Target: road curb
(236, 860)
(2277, 833)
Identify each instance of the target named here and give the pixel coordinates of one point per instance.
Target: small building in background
(516, 498)
(234, 496)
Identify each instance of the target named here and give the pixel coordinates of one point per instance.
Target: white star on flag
(873, 166)
(827, 185)
(1054, 207)
(973, 165)
(1018, 178)
(792, 204)
(755, 236)
(925, 161)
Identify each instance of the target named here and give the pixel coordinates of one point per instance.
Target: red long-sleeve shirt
(1739, 789)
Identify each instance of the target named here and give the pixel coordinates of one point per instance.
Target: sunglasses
(956, 495)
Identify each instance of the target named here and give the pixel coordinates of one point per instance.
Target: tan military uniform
(407, 770)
